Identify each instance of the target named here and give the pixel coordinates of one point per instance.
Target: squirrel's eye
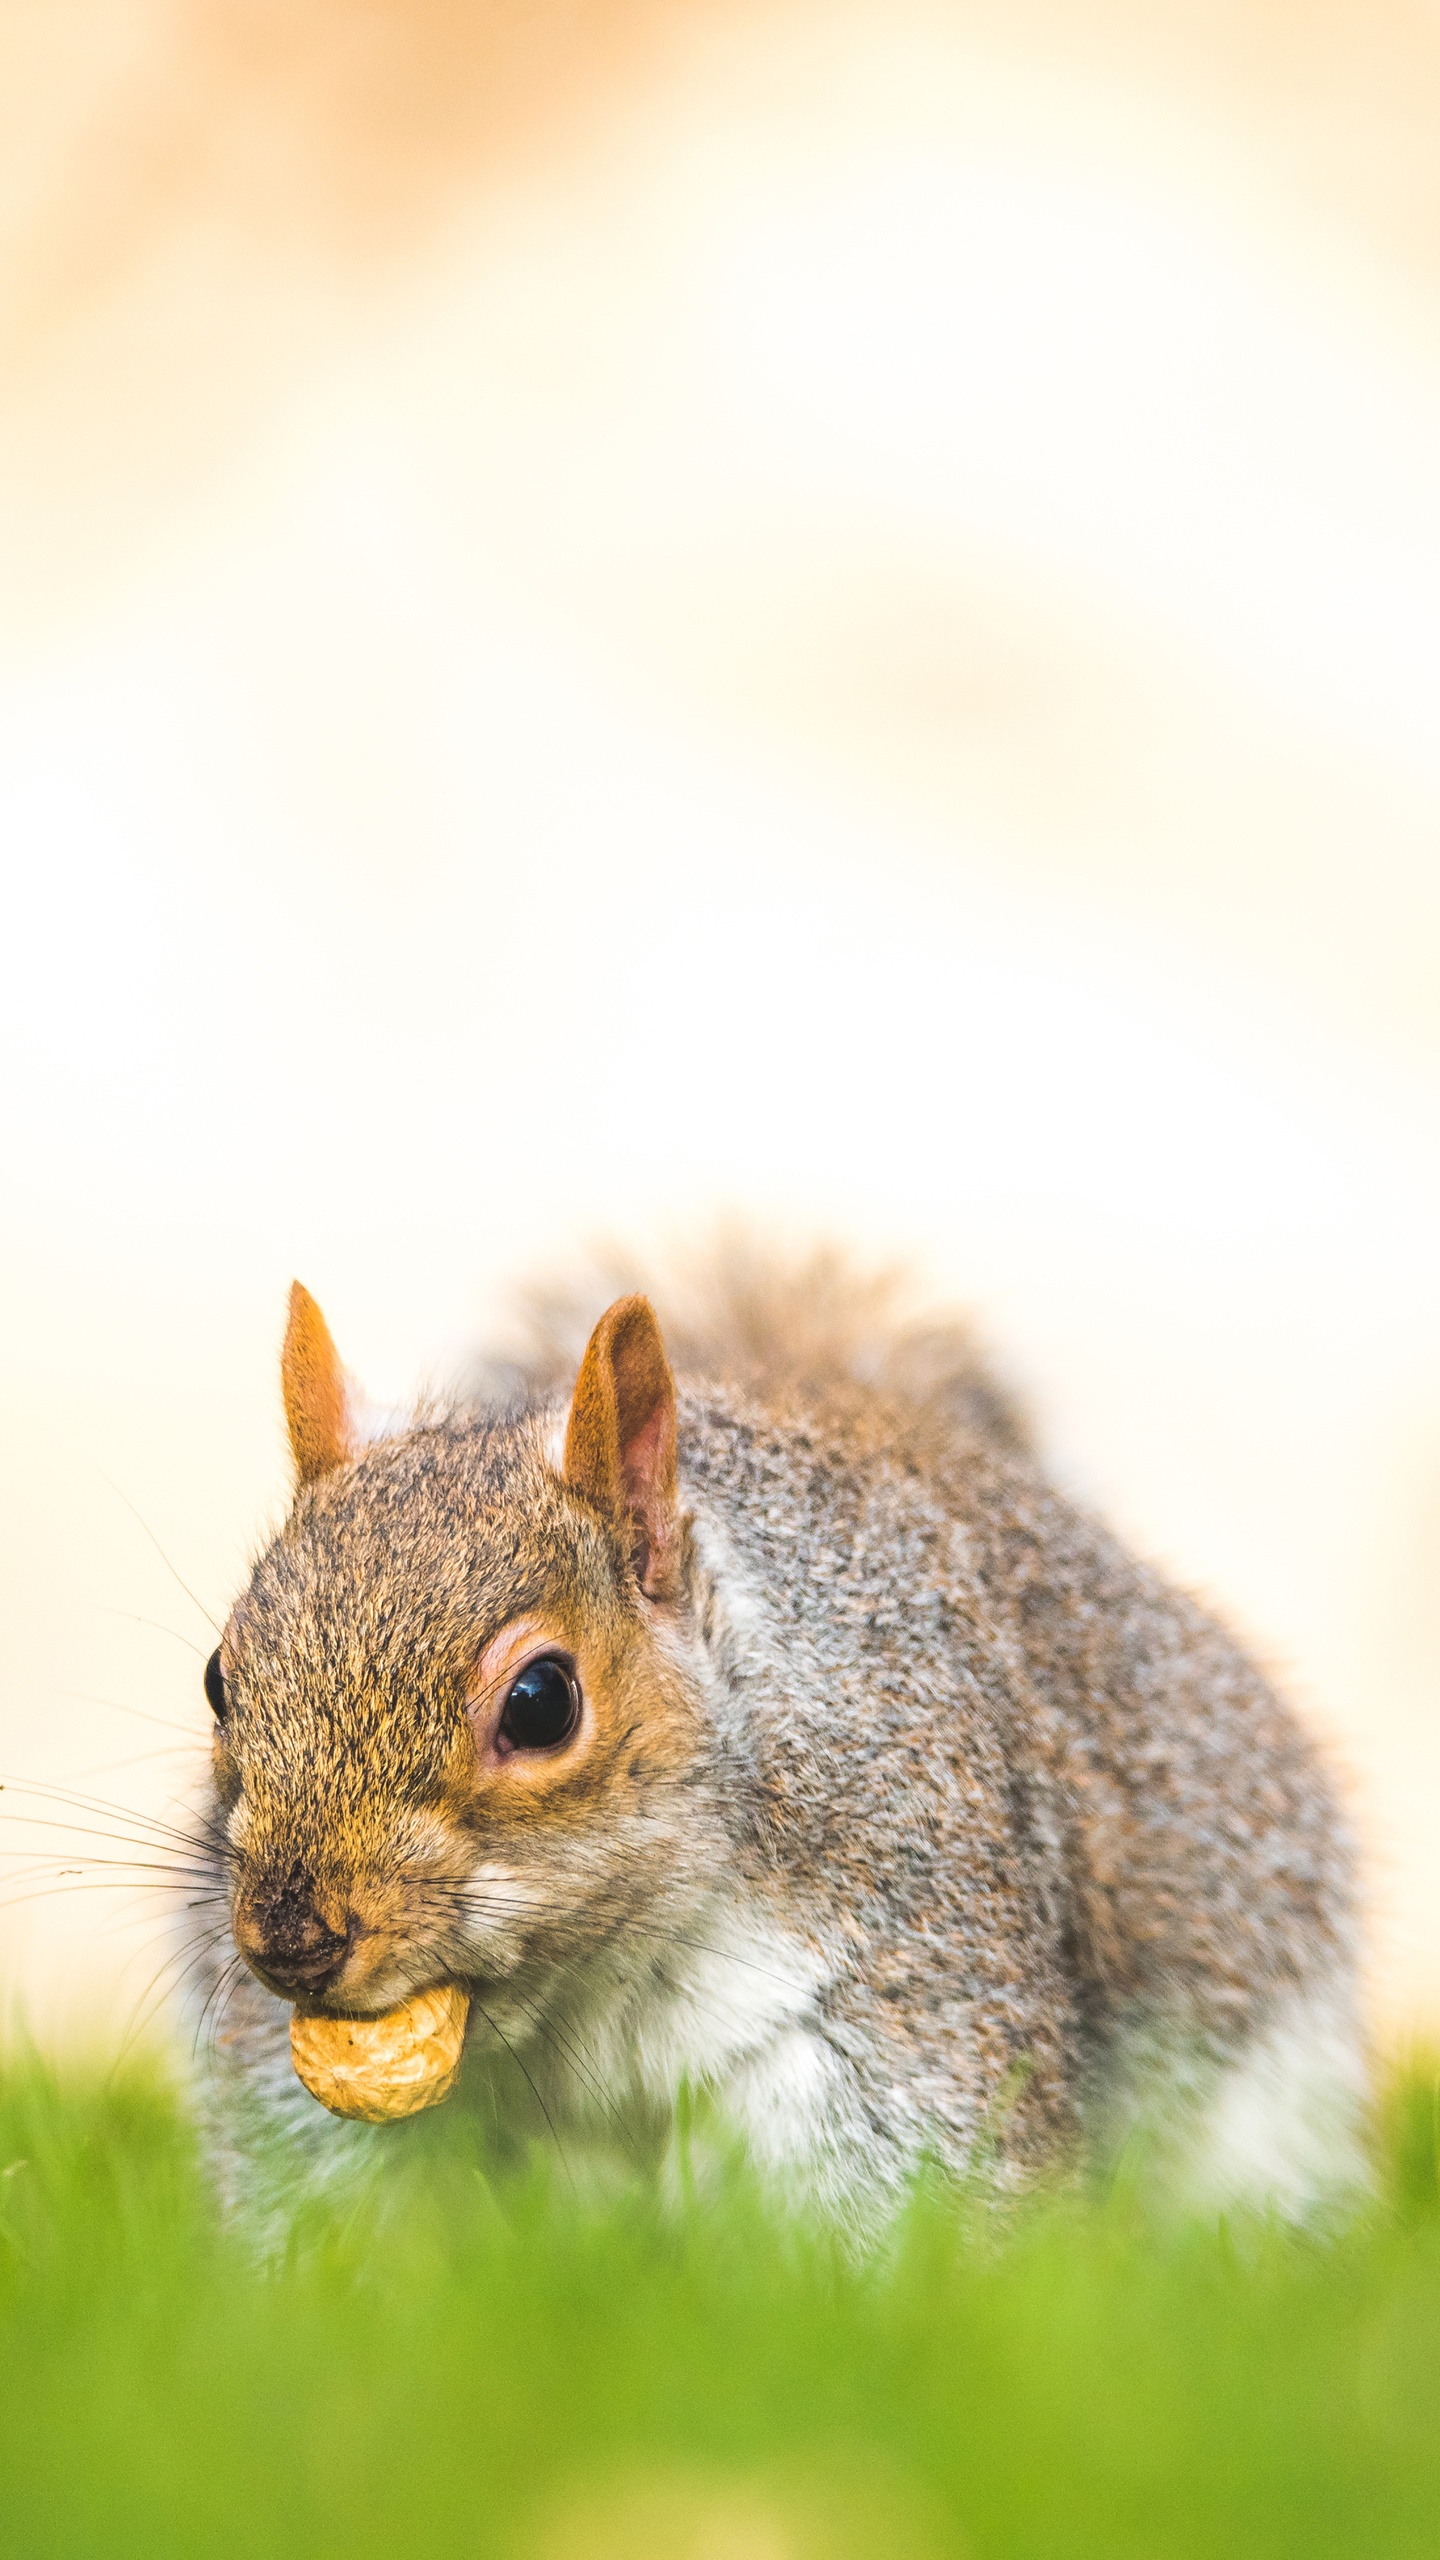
(543, 1707)
(215, 1688)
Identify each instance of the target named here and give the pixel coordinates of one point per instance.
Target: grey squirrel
(780, 1733)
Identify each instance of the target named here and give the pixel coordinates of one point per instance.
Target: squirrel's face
(455, 1736)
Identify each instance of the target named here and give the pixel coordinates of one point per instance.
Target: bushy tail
(742, 1312)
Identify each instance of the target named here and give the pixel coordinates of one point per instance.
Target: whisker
(159, 1550)
(203, 1836)
(138, 1759)
(142, 1890)
(149, 1852)
(75, 1831)
(103, 1610)
(534, 2092)
(189, 1959)
(123, 1879)
(464, 1902)
(207, 2003)
(142, 2013)
(119, 1706)
(557, 2037)
(50, 1892)
(230, 1982)
(506, 1907)
(222, 1991)
(144, 1879)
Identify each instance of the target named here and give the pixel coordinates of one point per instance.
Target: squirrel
(776, 1731)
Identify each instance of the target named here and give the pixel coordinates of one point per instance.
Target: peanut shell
(386, 2067)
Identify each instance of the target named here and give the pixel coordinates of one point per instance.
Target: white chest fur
(726, 2008)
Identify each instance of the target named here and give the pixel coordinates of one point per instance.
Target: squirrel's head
(455, 1733)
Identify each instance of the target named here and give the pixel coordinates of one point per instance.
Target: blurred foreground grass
(508, 2373)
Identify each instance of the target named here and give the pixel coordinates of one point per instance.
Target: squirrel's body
(907, 1815)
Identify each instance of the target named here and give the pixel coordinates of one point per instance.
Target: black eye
(215, 1688)
(543, 1707)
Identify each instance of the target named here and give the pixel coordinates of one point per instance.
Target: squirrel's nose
(294, 1946)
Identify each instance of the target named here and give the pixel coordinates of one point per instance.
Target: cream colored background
(611, 614)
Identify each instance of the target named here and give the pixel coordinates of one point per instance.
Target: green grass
(505, 2372)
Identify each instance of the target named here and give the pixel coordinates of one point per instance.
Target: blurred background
(620, 611)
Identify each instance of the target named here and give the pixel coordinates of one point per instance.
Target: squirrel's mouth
(379, 1998)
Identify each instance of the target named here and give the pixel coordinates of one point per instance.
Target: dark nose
(297, 1949)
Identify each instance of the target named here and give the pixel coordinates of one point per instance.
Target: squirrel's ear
(317, 1402)
(620, 1438)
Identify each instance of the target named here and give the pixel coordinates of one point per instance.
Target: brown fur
(312, 1384)
(620, 1436)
